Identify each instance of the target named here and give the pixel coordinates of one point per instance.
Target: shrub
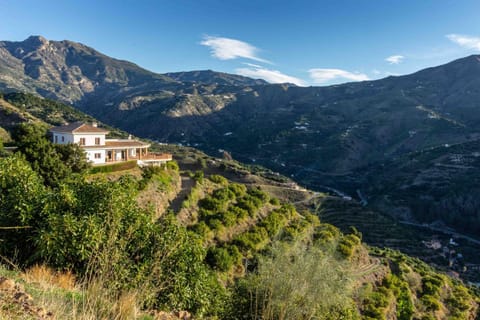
(173, 165)
(21, 196)
(430, 303)
(259, 194)
(274, 201)
(253, 240)
(219, 259)
(240, 213)
(229, 218)
(239, 189)
(203, 231)
(295, 282)
(347, 245)
(431, 285)
(198, 176)
(120, 166)
(224, 194)
(218, 179)
(273, 223)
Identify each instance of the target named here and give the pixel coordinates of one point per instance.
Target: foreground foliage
(242, 255)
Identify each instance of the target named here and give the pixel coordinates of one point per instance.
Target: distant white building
(100, 150)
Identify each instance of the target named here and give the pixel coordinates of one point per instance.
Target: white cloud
(272, 76)
(396, 59)
(468, 42)
(228, 49)
(322, 76)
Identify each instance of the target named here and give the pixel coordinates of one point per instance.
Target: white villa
(100, 150)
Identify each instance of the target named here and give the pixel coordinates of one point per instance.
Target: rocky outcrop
(17, 301)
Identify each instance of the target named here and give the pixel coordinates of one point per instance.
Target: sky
(308, 43)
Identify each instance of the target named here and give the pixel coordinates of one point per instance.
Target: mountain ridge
(309, 133)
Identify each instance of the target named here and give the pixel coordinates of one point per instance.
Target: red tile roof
(78, 127)
(119, 144)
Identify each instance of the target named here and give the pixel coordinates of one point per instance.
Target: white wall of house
(90, 139)
(95, 156)
(62, 138)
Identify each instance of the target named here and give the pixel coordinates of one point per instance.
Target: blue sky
(305, 42)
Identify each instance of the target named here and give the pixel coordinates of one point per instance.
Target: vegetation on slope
(240, 254)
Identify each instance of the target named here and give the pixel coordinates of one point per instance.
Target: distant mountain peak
(36, 39)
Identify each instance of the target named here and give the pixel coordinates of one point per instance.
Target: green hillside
(202, 235)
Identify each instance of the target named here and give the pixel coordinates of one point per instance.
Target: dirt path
(187, 184)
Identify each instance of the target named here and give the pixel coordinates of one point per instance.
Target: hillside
(213, 257)
(16, 108)
(340, 127)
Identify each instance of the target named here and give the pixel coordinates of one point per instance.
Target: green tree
(21, 194)
(73, 156)
(53, 163)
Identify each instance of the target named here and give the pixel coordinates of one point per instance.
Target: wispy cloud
(272, 76)
(395, 59)
(228, 49)
(322, 76)
(465, 41)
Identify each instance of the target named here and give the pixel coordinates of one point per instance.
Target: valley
(393, 162)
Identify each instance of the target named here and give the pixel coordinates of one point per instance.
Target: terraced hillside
(221, 229)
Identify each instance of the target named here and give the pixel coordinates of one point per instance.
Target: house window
(56, 139)
(63, 139)
(98, 155)
(97, 141)
(82, 141)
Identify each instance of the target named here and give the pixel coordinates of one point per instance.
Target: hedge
(120, 166)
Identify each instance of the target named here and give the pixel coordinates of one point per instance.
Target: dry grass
(47, 278)
(59, 293)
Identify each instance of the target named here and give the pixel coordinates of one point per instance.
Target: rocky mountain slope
(314, 134)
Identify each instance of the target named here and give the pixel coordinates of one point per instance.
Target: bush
(294, 282)
(218, 179)
(431, 285)
(198, 176)
(274, 201)
(347, 245)
(219, 259)
(120, 166)
(259, 194)
(240, 213)
(224, 194)
(273, 223)
(253, 240)
(214, 204)
(22, 195)
(203, 231)
(238, 189)
(229, 218)
(430, 303)
(173, 165)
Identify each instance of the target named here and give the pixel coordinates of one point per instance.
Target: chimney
(94, 124)
(129, 137)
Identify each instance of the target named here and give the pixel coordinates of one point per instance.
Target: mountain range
(321, 136)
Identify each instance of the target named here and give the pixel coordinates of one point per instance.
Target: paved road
(452, 233)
